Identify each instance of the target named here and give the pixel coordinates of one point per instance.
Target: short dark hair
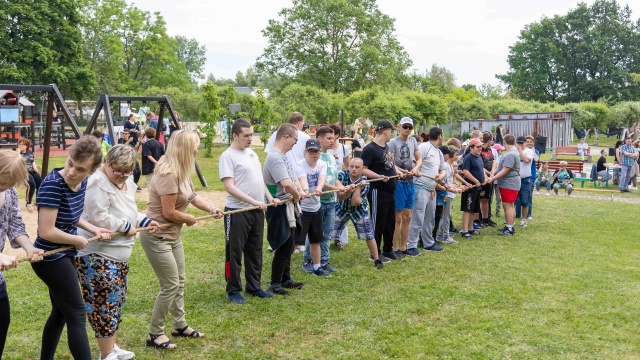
(486, 136)
(238, 125)
(434, 133)
(286, 129)
(86, 148)
(323, 131)
(98, 134)
(150, 133)
(295, 118)
(336, 129)
(510, 139)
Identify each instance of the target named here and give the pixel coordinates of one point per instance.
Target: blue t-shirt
(533, 166)
(475, 166)
(55, 193)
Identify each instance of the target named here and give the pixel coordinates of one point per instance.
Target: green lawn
(566, 287)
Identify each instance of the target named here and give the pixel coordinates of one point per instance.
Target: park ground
(565, 287)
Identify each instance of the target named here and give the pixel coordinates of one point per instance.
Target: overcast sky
(469, 37)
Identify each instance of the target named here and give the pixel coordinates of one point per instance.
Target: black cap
(445, 150)
(312, 144)
(521, 139)
(384, 124)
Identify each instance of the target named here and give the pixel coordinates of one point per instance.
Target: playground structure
(53, 98)
(105, 102)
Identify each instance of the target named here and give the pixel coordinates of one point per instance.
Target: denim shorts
(404, 195)
(525, 192)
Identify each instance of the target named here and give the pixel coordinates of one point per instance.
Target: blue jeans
(546, 184)
(328, 221)
(625, 176)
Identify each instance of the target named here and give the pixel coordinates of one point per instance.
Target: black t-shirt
(122, 142)
(487, 158)
(379, 160)
(600, 166)
(154, 148)
(129, 126)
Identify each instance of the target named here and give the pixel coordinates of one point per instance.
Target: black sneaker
(412, 252)
(259, 293)
(390, 254)
(400, 254)
(327, 267)
(378, 264)
(474, 232)
(277, 290)
(454, 230)
(290, 284)
(506, 232)
(383, 258)
(434, 247)
(466, 235)
(307, 267)
(489, 222)
(321, 272)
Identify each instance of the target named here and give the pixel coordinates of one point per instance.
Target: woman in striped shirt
(60, 203)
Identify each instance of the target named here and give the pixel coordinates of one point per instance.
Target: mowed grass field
(565, 287)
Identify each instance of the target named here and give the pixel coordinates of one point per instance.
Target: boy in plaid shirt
(352, 205)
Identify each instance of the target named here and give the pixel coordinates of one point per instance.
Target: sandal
(192, 334)
(339, 244)
(164, 345)
(30, 207)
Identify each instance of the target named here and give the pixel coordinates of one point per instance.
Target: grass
(565, 287)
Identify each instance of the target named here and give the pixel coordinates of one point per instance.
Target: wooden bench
(576, 167)
(569, 150)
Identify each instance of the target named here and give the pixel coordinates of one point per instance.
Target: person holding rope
(509, 183)
(282, 183)
(103, 265)
(241, 174)
(170, 193)
(60, 204)
(473, 172)
(13, 172)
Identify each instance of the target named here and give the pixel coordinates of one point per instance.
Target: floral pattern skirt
(104, 287)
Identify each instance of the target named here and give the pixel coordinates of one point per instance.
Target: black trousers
(34, 183)
(383, 215)
(281, 266)
(244, 236)
(436, 224)
(5, 318)
(136, 173)
(67, 308)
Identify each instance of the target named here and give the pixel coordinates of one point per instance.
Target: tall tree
(336, 45)
(586, 55)
(192, 55)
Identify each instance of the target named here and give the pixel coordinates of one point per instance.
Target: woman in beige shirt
(170, 193)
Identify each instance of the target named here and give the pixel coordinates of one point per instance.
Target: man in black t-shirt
(601, 168)
(378, 163)
(490, 167)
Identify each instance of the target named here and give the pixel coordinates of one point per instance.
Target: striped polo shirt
(55, 193)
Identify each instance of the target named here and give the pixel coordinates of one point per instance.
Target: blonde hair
(179, 156)
(563, 163)
(122, 156)
(13, 169)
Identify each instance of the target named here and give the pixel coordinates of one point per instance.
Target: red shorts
(509, 195)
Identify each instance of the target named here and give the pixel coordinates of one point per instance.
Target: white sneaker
(523, 223)
(537, 192)
(111, 356)
(547, 193)
(122, 354)
(299, 248)
(633, 188)
(529, 218)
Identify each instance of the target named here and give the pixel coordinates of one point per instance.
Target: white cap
(406, 120)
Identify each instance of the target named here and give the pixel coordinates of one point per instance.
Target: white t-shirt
(525, 168)
(245, 170)
(450, 180)
(342, 152)
(297, 152)
(311, 204)
(583, 146)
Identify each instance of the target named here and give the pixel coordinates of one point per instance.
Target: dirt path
(216, 198)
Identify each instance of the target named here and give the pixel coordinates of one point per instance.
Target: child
(449, 193)
(352, 204)
(312, 174)
(543, 178)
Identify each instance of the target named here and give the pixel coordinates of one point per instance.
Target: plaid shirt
(344, 206)
(625, 160)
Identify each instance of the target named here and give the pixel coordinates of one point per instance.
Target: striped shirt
(55, 193)
(625, 160)
(344, 206)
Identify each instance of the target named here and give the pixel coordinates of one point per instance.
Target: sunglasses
(120, 173)
(407, 127)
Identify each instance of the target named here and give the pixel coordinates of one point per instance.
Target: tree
(209, 92)
(40, 43)
(336, 45)
(312, 102)
(192, 55)
(624, 114)
(586, 55)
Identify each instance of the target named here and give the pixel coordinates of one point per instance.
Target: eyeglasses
(407, 127)
(473, 146)
(120, 173)
(294, 138)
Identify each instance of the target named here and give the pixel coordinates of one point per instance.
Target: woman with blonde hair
(13, 172)
(103, 265)
(170, 193)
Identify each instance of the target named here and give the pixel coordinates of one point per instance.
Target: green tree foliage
(40, 43)
(192, 55)
(210, 113)
(311, 101)
(336, 45)
(187, 103)
(624, 114)
(586, 55)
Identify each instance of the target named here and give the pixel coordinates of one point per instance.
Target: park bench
(569, 150)
(576, 167)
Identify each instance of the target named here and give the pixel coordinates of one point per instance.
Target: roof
(244, 90)
(23, 100)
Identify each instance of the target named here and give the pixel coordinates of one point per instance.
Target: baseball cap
(498, 147)
(312, 144)
(521, 139)
(384, 124)
(406, 120)
(445, 150)
(475, 142)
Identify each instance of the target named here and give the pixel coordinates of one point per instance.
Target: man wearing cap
(406, 156)
(424, 208)
(526, 156)
(311, 173)
(377, 163)
(473, 172)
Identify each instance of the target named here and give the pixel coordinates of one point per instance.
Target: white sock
(316, 266)
(510, 227)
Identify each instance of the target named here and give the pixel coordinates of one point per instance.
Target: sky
(469, 37)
